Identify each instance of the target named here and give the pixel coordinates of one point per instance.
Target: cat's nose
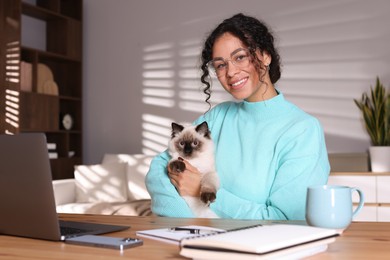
(187, 149)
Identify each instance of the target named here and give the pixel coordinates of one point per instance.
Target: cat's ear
(203, 129)
(176, 129)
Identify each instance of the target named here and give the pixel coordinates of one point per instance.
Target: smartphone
(105, 241)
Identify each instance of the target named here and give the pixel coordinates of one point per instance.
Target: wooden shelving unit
(34, 110)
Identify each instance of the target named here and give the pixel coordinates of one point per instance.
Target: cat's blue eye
(182, 143)
(195, 143)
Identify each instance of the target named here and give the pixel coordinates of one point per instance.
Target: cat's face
(189, 141)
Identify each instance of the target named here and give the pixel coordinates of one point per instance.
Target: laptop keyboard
(65, 231)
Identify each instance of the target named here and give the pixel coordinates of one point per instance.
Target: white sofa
(114, 187)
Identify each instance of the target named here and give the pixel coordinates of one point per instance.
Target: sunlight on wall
(158, 75)
(167, 89)
(12, 108)
(326, 63)
(329, 62)
(191, 94)
(156, 132)
(12, 79)
(190, 97)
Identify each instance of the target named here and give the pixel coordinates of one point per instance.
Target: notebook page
(261, 239)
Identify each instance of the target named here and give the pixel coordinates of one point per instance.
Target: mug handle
(361, 201)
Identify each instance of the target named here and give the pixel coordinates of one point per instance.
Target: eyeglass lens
(239, 58)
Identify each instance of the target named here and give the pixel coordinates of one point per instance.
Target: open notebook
(260, 241)
(169, 235)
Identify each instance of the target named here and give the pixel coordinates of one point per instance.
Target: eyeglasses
(239, 58)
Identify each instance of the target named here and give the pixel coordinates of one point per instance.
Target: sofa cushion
(101, 183)
(133, 208)
(102, 208)
(137, 168)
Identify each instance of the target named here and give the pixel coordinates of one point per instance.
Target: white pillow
(101, 183)
(138, 167)
(122, 158)
(101, 208)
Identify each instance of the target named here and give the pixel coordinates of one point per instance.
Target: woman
(267, 150)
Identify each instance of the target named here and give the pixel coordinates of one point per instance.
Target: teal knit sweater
(267, 154)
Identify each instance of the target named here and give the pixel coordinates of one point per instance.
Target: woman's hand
(187, 183)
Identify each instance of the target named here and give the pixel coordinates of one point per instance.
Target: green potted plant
(375, 108)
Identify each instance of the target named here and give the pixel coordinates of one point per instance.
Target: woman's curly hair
(254, 34)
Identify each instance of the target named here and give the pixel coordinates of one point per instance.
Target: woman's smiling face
(241, 83)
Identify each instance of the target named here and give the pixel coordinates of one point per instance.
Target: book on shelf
(53, 155)
(276, 241)
(25, 76)
(51, 146)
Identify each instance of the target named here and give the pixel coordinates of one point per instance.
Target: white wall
(141, 57)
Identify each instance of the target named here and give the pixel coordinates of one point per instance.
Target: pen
(191, 230)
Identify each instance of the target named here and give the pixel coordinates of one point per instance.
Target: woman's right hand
(187, 182)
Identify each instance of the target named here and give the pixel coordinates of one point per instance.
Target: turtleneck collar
(269, 108)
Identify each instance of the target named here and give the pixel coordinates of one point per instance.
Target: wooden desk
(362, 240)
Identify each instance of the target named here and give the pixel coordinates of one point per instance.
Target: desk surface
(362, 240)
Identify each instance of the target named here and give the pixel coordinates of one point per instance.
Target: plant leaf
(376, 114)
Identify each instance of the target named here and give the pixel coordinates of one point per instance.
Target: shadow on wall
(337, 143)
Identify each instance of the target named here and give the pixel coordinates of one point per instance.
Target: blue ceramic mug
(330, 206)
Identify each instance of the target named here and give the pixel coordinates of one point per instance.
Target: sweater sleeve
(301, 161)
(166, 201)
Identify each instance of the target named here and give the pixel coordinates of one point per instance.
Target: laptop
(27, 200)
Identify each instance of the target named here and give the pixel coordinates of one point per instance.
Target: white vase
(380, 158)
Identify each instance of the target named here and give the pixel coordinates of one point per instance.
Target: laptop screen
(27, 200)
(26, 192)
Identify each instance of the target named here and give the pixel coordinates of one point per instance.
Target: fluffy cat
(194, 144)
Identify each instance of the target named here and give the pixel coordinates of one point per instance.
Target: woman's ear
(264, 57)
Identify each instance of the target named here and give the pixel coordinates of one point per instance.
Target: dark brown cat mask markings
(202, 129)
(188, 143)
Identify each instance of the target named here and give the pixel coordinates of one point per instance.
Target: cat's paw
(177, 166)
(208, 197)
